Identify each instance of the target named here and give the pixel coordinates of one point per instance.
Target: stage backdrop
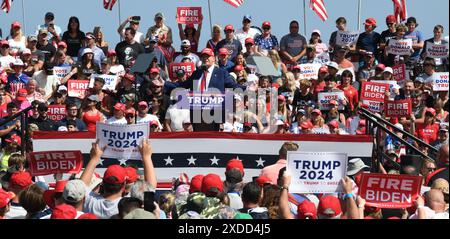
(208, 152)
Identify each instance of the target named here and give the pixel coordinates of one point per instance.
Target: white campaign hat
(86, 51)
(388, 69)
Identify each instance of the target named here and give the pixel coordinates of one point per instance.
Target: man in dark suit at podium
(207, 77)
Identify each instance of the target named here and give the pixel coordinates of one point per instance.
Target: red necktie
(203, 83)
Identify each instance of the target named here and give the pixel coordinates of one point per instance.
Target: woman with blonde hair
(276, 60)
(216, 37)
(167, 203)
(16, 39)
(99, 40)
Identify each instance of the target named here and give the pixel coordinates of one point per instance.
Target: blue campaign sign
(121, 141)
(316, 172)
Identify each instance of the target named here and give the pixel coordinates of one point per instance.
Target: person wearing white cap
(158, 30)
(99, 55)
(186, 52)
(317, 42)
(17, 80)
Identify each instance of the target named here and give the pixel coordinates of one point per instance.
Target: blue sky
(279, 13)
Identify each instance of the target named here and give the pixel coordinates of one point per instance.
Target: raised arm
(96, 153)
(352, 210)
(285, 212)
(199, 30)
(149, 170)
(122, 26)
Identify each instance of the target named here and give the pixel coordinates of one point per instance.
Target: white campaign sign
(325, 98)
(309, 71)
(440, 81)
(346, 38)
(316, 172)
(121, 141)
(437, 50)
(400, 47)
(60, 72)
(110, 81)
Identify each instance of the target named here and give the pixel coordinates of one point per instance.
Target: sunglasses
(129, 116)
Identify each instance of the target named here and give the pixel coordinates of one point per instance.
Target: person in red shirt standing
(429, 130)
(351, 94)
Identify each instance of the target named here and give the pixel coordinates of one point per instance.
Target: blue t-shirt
(369, 41)
(416, 37)
(228, 67)
(234, 47)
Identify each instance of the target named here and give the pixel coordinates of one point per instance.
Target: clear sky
(278, 12)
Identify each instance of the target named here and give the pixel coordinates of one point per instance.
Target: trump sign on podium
(51, 162)
(316, 172)
(389, 190)
(121, 141)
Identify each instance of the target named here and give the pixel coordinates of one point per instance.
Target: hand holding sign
(347, 184)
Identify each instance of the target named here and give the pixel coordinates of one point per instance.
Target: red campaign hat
(235, 163)
(129, 77)
(305, 125)
(329, 206)
(261, 180)
(64, 211)
(207, 51)
(196, 183)
(49, 195)
(281, 98)
(334, 123)
(333, 102)
(317, 111)
(248, 124)
(4, 42)
(111, 53)
(306, 209)
(88, 216)
(266, 24)
(362, 123)
(249, 41)
(20, 179)
(229, 27)
(238, 68)
(391, 19)
(131, 174)
(323, 69)
(14, 139)
(223, 51)
(154, 122)
(380, 66)
(5, 197)
(120, 106)
(370, 21)
(63, 44)
(431, 110)
(154, 70)
(394, 120)
(211, 181)
(115, 171)
(16, 24)
(130, 111)
(142, 103)
(22, 95)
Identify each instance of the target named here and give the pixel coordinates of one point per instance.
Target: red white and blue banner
(208, 152)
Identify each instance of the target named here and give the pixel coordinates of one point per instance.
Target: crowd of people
(27, 62)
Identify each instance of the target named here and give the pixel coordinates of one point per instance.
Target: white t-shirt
(114, 120)
(177, 116)
(5, 61)
(194, 58)
(117, 69)
(149, 118)
(16, 212)
(241, 36)
(99, 206)
(139, 37)
(441, 215)
(19, 45)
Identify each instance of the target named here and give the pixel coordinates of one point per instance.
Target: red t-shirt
(351, 94)
(428, 133)
(317, 87)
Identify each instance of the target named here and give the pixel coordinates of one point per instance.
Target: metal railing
(24, 136)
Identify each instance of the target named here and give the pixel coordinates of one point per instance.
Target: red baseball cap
(323, 69)
(229, 27)
(261, 180)
(281, 98)
(196, 183)
(431, 110)
(49, 195)
(207, 51)
(20, 179)
(329, 206)
(142, 103)
(334, 123)
(130, 111)
(317, 111)
(306, 125)
(306, 209)
(362, 123)
(129, 77)
(64, 211)
(22, 94)
(223, 51)
(5, 197)
(235, 163)
(249, 40)
(120, 106)
(154, 70)
(211, 181)
(334, 102)
(63, 44)
(16, 24)
(370, 21)
(115, 174)
(238, 68)
(266, 24)
(4, 42)
(380, 66)
(14, 138)
(131, 174)
(111, 53)
(391, 19)
(88, 216)
(154, 122)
